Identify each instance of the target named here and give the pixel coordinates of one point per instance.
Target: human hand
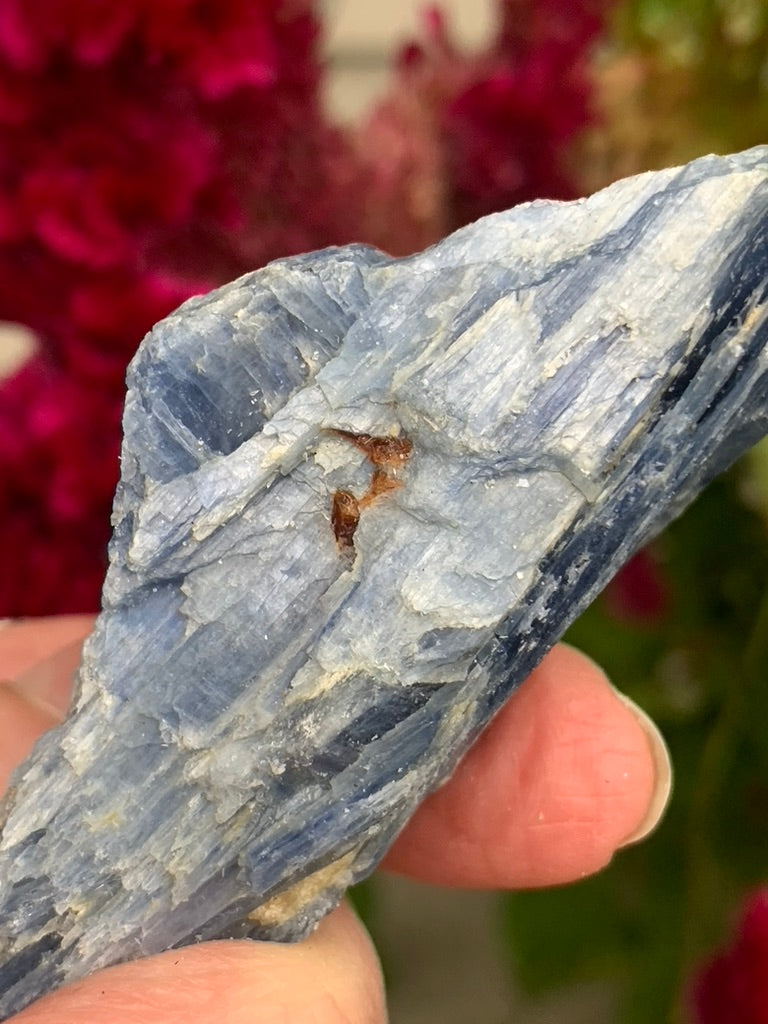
(565, 775)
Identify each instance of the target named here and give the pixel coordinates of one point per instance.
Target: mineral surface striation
(360, 499)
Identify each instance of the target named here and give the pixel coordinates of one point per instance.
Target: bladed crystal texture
(360, 499)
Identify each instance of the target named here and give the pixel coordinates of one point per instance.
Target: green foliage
(363, 898)
(710, 57)
(650, 918)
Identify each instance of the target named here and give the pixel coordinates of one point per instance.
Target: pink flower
(461, 135)
(733, 987)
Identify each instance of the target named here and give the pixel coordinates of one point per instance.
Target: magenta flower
(148, 150)
(639, 593)
(733, 987)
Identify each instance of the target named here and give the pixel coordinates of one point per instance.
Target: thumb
(333, 977)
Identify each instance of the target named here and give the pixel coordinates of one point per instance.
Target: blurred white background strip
(361, 38)
(17, 344)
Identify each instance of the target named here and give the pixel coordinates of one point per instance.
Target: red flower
(638, 593)
(104, 159)
(58, 440)
(221, 47)
(733, 987)
(148, 150)
(153, 148)
(31, 31)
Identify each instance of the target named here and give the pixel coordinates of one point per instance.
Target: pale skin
(564, 776)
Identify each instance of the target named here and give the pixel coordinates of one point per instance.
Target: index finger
(25, 644)
(38, 658)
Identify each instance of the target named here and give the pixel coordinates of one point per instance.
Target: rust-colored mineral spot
(381, 482)
(387, 454)
(345, 515)
(381, 451)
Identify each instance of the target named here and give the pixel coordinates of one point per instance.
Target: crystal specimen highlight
(360, 499)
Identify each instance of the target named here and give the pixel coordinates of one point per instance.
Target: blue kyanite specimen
(360, 499)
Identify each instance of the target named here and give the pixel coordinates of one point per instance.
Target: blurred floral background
(152, 149)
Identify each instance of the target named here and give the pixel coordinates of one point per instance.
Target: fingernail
(662, 772)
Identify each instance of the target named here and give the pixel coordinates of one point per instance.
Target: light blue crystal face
(262, 706)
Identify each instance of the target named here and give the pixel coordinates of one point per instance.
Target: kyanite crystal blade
(360, 499)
